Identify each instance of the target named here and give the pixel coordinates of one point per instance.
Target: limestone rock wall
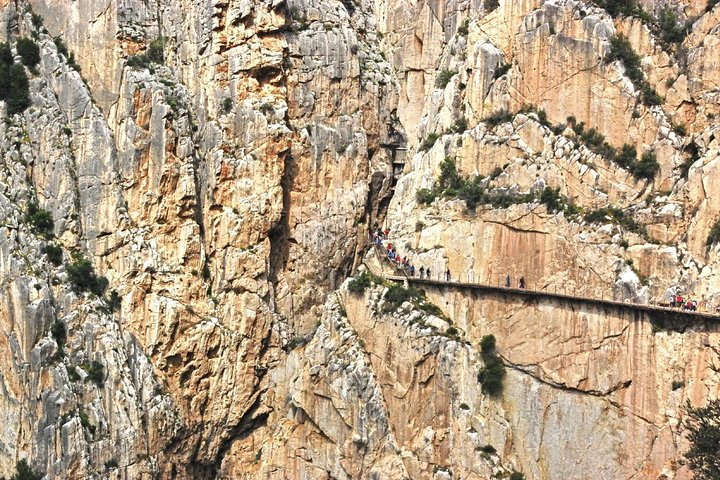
(227, 191)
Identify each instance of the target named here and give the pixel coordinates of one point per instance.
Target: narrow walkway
(543, 294)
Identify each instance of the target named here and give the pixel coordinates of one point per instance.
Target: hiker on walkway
(521, 283)
(427, 273)
(679, 301)
(422, 272)
(412, 270)
(507, 281)
(447, 275)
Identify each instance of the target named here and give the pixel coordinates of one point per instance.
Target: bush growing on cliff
(714, 236)
(25, 472)
(54, 253)
(82, 276)
(96, 373)
(711, 4)
(492, 374)
(620, 49)
(29, 52)
(428, 142)
(425, 196)
(14, 88)
(359, 284)
(703, 426)
(40, 220)
(155, 54)
(495, 119)
(444, 78)
(6, 55)
(647, 167)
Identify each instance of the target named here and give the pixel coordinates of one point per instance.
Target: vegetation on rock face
(444, 78)
(714, 236)
(14, 83)
(54, 253)
(703, 427)
(620, 49)
(428, 142)
(96, 373)
(450, 184)
(25, 472)
(29, 52)
(82, 276)
(359, 284)
(492, 374)
(155, 54)
(40, 220)
(626, 157)
(711, 4)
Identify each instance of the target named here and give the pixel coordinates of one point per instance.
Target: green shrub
(396, 295)
(40, 220)
(444, 78)
(29, 52)
(14, 88)
(491, 5)
(703, 432)
(295, 342)
(6, 55)
(61, 47)
(37, 20)
(627, 156)
(85, 422)
(25, 472)
(449, 177)
(620, 49)
(460, 125)
(487, 345)
(552, 199)
(488, 449)
(59, 333)
(669, 28)
(711, 4)
(501, 69)
(425, 196)
(680, 129)
(647, 167)
(359, 284)
(82, 276)
(517, 476)
(452, 332)
(430, 308)
(155, 54)
(616, 216)
(464, 27)
(428, 142)
(492, 374)
(112, 463)
(54, 253)
(227, 105)
(677, 384)
(495, 119)
(96, 373)
(714, 236)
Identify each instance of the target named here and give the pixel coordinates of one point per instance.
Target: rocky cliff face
(225, 187)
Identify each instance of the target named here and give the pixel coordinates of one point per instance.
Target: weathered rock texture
(227, 191)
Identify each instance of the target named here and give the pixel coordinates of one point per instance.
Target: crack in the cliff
(561, 386)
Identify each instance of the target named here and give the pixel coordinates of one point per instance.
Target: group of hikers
(403, 263)
(392, 254)
(678, 301)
